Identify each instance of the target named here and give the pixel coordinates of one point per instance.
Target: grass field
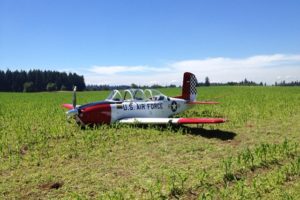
(255, 155)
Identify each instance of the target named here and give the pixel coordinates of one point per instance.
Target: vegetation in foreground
(255, 155)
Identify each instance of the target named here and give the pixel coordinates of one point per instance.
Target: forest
(38, 80)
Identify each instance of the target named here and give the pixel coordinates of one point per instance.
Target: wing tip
(68, 106)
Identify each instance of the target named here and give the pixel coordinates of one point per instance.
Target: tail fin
(189, 90)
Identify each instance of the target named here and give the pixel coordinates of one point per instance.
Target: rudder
(189, 90)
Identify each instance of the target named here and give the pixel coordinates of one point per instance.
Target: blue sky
(146, 42)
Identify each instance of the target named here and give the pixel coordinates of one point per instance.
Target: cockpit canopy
(136, 95)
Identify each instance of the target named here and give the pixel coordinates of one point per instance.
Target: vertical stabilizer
(189, 90)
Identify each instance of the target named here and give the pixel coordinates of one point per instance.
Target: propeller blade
(74, 97)
(73, 111)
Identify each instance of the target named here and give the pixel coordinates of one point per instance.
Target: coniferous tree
(207, 83)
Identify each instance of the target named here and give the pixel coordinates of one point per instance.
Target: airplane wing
(171, 120)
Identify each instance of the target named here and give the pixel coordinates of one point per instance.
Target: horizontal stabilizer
(172, 120)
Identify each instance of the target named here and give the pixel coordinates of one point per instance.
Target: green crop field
(255, 155)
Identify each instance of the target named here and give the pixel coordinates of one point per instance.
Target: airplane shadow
(196, 131)
(218, 134)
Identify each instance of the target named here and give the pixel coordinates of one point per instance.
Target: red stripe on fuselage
(96, 114)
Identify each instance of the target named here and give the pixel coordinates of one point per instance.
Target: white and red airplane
(141, 106)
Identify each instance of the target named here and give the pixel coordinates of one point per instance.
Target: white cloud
(109, 70)
(265, 68)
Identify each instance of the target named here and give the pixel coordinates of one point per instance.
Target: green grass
(255, 155)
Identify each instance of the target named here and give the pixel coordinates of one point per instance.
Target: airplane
(137, 106)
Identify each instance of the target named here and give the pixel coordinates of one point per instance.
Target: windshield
(139, 94)
(154, 95)
(136, 94)
(115, 95)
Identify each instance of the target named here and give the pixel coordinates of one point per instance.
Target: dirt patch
(23, 149)
(50, 186)
(232, 142)
(248, 125)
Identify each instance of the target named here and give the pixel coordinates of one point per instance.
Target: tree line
(283, 83)
(246, 82)
(38, 80)
(206, 82)
(94, 87)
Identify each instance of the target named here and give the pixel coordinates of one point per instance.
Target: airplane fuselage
(150, 109)
(107, 112)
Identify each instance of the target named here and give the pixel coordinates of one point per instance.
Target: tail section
(189, 90)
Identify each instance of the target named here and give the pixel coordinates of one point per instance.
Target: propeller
(74, 97)
(74, 111)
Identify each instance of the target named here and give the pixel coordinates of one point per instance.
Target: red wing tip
(68, 106)
(201, 120)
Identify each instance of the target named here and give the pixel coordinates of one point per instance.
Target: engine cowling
(96, 114)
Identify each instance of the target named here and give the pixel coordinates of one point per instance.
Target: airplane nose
(96, 114)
